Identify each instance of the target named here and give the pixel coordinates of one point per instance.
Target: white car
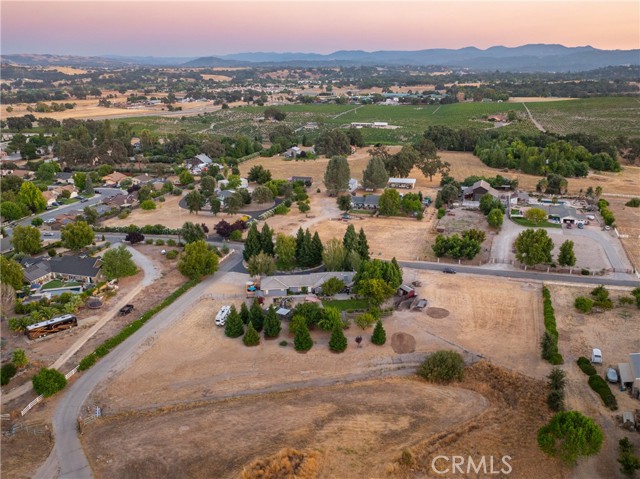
(596, 356)
(47, 233)
(50, 220)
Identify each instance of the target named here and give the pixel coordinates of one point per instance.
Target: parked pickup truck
(126, 309)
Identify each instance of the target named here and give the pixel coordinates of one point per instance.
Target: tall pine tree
(305, 258)
(350, 239)
(233, 327)
(363, 245)
(272, 325)
(253, 245)
(266, 240)
(256, 315)
(299, 242)
(317, 249)
(245, 316)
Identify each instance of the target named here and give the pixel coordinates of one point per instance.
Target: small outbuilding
(406, 291)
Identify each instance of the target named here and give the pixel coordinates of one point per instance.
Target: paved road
(151, 273)
(67, 460)
(626, 280)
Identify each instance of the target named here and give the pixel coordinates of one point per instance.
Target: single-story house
(277, 286)
(224, 195)
(200, 163)
(408, 183)
(368, 202)
(63, 220)
(64, 178)
(293, 152)
(83, 269)
(243, 183)
(630, 374)
(353, 185)
(120, 201)
(50, 197)
(70, 188)
(142, 179)
(307, 180)
(24, 174)
(562, 213)
(114, 179)
(477, 190)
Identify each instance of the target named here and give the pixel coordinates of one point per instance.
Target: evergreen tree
(233, 328)
(272, 325)
(256, 315)
(302, 340)
(245, 316)
(395, 278)
(266, 240)
(337, 175)
(317, 249)
(375, 175)
(306, 251)
(251, 337)
(567, 257)
(338, 341)
(363, 245)
(299, 242)
(350, 239)
(253, 244)
(379, 336)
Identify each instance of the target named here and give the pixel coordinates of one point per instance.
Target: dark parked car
(126, 309)
(449, 270)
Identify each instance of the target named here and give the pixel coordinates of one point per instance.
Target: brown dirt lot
(628, 224)
(22, 452)
(616, 333)
(205, 364)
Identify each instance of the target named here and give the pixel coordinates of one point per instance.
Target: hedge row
(249, 157)
(550, 339)
(128, 330)
(585, 365)
(600, 386)
(147, 229)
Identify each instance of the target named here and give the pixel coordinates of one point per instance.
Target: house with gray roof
(477, 190)
(83, 269)
(368, 202)
(561, 213)
(277, 286)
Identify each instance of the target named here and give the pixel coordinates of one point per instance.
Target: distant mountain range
(526, 58)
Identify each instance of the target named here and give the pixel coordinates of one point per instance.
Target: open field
(357, 437)
(628, 224)
(617, 334)
(170, 403)
(604, 116)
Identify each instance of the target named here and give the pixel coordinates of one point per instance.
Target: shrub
(570, 435)
(629, 462)
(148, 205)
(584, 305)
(365, 320)
(176, 192)
(251, 336)
(601, 298)
(19, 358)
(549, 342)
(159, 242)
(48, 382)
(123, 214)
(441, 212)
(236, 235)
(633, 203)
(172, 254)
(281, 209)
(442, 367)
(584, 272)
(7, 371)
(51, 252)
(625, 300)
(601, 387)
(555, 400)
(148, 241)
(87, 362)
(283, 343)
(585, 365)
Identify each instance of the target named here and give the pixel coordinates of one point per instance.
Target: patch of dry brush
(286, 464)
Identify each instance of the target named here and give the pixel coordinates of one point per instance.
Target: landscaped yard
(533, 224)
(56, 283)
(346, 304)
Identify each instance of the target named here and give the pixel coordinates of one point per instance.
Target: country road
(533, 120)
(67, 459)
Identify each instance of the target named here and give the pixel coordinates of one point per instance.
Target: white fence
(41, 397)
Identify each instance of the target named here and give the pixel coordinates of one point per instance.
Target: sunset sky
(163, 28)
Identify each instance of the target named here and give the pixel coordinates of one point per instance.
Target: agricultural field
(607, 117)
(412, 120)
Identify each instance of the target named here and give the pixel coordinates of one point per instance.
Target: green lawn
(67, 201)
(531, 224)
(346, 304)
(56, 283)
